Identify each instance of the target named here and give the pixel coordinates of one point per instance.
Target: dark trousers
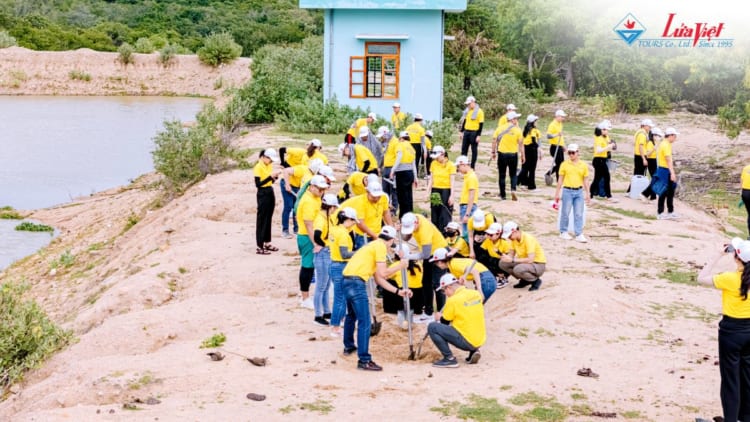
(445, 335)
(507, 163)
(419, 159)
(438, 214)
(470, 140)
(746, 200)
(393, 303)
(528, 169)
(266, 203)
(601, 172)
(559, 155)
(668, 196)
(648, 192)
(431, 281)
(404, 183)
(389, 189)
(734, 366)
(639, 169)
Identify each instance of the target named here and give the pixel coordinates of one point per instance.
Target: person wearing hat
(371, 142)
(467, 202)
(428, 135)
(460, 324)
(503, 120)
(354, 129)
(472, 121)
(322, 259)
(341, 240)
(482, 278)
(666, 177)
(428, 239)
(491, 250)
(265, 175)
(508, 141)
(308, 207)
(395, 304)
(640, 139)
(745, 184)
(654, 138)
(372, 209)
(368, 261)
(398, 118)
(525, 260)
(734, 328)
(292, 156)
(440, 182)
(314, 148)
(360, 158)
(456, 243)
(572, 184)
(556, 141)
(476, 226)
(356, 184)
(292, 179)
(602, 146)
(390, 144)
(531, 139)
(404, 173)
(417, 138)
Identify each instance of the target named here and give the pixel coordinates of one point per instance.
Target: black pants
(438, 214)
(734, 366)
(404, 183)
(389, 189)
(419, 159)
(507, 163)
(559, 158)
(393, 303)
(648, 192)
(266, 203)
(528, 169)
(470, 140)
(639, 169)
(746, 200)
(601, 172)
(668, 196)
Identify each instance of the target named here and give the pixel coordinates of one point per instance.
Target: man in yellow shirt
(353, 132)
(745, 181)
(467, 203)
(556, 141)
(390, 143)
(372, 209)
(572, 182)
(398, 118)
(503, 120)
(525, 260)
(666, 177)
(360, 158)
(460, 324)
(308, 208)
(508, 141)
(417, 139)
(471, 128)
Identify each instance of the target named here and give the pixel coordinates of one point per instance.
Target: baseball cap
(657, 132)
(478, 218)
(316, 143)
(375, 189)
(314, 165)
(440, 255)
(671, 131)
(330, 199)
(573, 148)
(327, 172)
(382, 130)
(372, 178)
(647, 122)
(560, 113)
(437, 151)
(494, 228)
(397, 105)
(350, 212)
(364, 131)
(604, 124)
(462, 159)
(372, 115)
(342, 146)
(532, 118)
(741, 249)
(389, 232)
(428, 133)
(403, 135)
(418, 116)
(272, 154)
(319, 181)
(470, 99)
(408, 223)
(453, 226)
(510, 107)
(508, 228)
(446, 280)
(513, 115)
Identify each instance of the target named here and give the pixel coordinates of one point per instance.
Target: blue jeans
(322, 262)
(461, 213)
(444, 335)
(336, 272)
(288, 209)
(357, 308)
(572, 198)
(488, 283)
(359, 241)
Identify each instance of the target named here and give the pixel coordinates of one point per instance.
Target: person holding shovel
(461, 323)
(368, 261)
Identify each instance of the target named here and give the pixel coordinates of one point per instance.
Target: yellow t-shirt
(555, 128)
(317, 154)
(414, 280)
(263, 171)
(364, 261)
(503, 120)
(732, 304)
(533, 133)
(509, 142)
(338, 237)
(573, 174)
(459, 243)
(323, 223)
(488, 219)
(356, 182)
(441, 174)
(408, 154)
(473, 124)
(600, 142)
(427, 234)
(664, 151)
(457, 267)
(297, 177)
(745, 179)
(527, 245)
(641, 138)
(295, 156)
(650, 150)
(397, 120)
(489, 246)
(308, 209)
(362, 154)
(471, 182)
(465, 311)
(389, 157)
(370, 214)
(357, 125)
(416, 132)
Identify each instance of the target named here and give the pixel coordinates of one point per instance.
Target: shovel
(407, 307)
(376, 325)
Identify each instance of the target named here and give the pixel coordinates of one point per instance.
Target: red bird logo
(629, 24)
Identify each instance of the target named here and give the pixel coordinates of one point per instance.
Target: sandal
(270, 247)
(261, 251)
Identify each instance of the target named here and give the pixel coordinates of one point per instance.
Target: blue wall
(421, 60)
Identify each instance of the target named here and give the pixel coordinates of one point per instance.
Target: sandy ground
(141, 301)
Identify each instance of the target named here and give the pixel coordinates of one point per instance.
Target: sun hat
(372, 115)
(446, 280)
(375, 189)
(647, 122)
(478, 218)
(389, 232)
(470, 99)
(573, 148)
(741, 249)
(418, 116)
(327, 172)
(560, 113)
(441, 254)
(508, 228)
(350, 212)
(272, 154)
(408, 223)
(494, 228)
(671, 131)
(532, 118)
(510, 106)
(319, 181)
(462, 159)
(364, 131)
(437, 151)
(330, 199)
(513, 115)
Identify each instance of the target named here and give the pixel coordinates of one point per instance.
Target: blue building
(378, 52)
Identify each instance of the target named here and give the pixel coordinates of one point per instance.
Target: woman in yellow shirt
(265, 175)
(572, 182)
(393, 303)
(745, 180)
(440, 182)
(404, 173)
(652, 143)
(322, 258)
(602, 145)
(341, 244)
(457, 244)
(734, 328)
(531, 140)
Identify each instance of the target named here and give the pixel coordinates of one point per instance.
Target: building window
(375, 75)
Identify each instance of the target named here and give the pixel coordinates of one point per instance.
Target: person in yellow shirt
(314, 148)
(404, 173)
(477, 225)
(356, 184)
(666, 177)
(417, 138)
(264, 176)
(390, 143)
(372, 209)
(460, 324)
(503, 120)
(360, 158)
(368, 261)
(322, 258)
(292, 156)
(395, 304)
(651, 146)
(734, 327)
(602, 145)
(467, 202)
(456, 243)
(353, 132)
(484, 281)
(307, 209)
(472, 122)
(491, 250)
(440, 182)
(572, 182)
(341, 240)
(292, 179)
(508, 141)
(556, 142)
(525, 260)
(428, 238)
(531, 139)
(745, 182)
(640, 139)
(398, 118)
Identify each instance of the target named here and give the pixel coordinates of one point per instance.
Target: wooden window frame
(362, 89)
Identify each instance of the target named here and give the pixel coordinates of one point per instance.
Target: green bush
(144, 45)
(125, 54)
(735, 116)
(28, 226)
(27, 336)
(493, 92)
(79, 75)
(219, 49)
(315, 116)
(167, 55)
(6, 40)
(444, 133)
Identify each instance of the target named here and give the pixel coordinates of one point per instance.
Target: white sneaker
(307, 303)
(581, 238)
(566, 236)
(662, 216)
(423, 319)
(672, 216)
(400, 318)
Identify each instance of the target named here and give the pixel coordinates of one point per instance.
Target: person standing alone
(572, 182)
(602, 146)
(471, 128)
(264, 177)
(666, 178)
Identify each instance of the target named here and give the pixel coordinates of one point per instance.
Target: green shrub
(167, 55)
(27, 336)
(79, 75)
(28, 226)
(735, 116)
(219, 49)
(216, 340)
(6, 40)
(125, 54)
(144, 45)
(315, 116)
(493, 92)
(8, 213)
(444, 133)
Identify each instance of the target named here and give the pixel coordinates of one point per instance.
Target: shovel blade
(375, 327)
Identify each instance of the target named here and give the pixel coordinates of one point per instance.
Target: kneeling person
(526, 260)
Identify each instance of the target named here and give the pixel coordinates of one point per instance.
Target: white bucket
(571, 219)
(638, 184)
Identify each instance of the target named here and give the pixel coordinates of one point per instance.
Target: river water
(55, 149)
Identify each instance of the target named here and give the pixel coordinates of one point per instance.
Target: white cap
(573, 147)
(513, 115)
(657, 132)
(314, 165)
(319, 181)
(428, 133)
(462, 159)
(647, 122)
(349, 212)
(508, 228)
(560, 113)
(440, 255)
(418, 116)
(372, 178)
(532, 118)
(453, 226)
(364, 131)
(437, 151)
(404, 134)
(272, 154)
(604, 124)
(375, 189)
(742, 249)
(446, 280)
(397, 105)
(389, 232)
(382, 130)
(327, 172)
(408, 223)
(510, 107)
(372, 115)
(494, 228)
(671, 131)
(316, 143)
(478, 218)
(470, 99)
(342, 146)
(330, 199)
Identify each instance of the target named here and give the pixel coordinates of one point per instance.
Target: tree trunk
(570, 79)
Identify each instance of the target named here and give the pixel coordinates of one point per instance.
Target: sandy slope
(142, 301)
